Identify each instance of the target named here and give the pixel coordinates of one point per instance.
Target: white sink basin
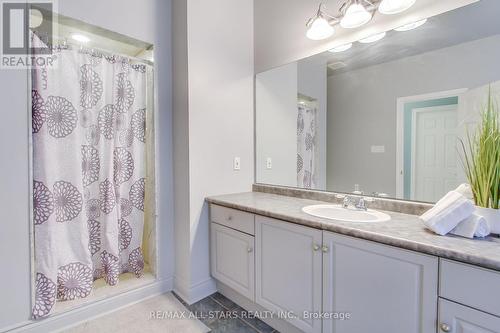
(337, 212)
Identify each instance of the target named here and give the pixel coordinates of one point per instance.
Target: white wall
(181, 141)
(362, 108)
(148, 20)
(15, 280)
(219, 111)
(276, 125)
(162, 39)
(130, 17)
(280, 28)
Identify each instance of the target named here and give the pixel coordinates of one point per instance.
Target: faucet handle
(346, 202)
(361, 204)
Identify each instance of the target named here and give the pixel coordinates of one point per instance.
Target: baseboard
(99, 308)
(196, 292)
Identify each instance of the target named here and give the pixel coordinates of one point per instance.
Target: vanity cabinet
(300, 272)
(288, 260)
(232, 257)
(385, 289)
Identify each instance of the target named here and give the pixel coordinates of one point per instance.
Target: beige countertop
(403, 230)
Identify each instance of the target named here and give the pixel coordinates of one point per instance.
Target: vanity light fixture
(352, 14)
(80, 38)
(355, 14)
(372, 38)
(411, 26)
(341, 48)
(318, 26)
(390, 7)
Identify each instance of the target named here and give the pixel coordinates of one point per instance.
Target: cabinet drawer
(233, 259)
(233, 218)
(473, 286)
(456, 318)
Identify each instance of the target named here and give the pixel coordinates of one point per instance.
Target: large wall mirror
(383, 118)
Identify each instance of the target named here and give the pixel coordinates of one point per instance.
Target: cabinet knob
(316, 247)
(249, 249)
(445, 327)
(324, 249)
(229, 218)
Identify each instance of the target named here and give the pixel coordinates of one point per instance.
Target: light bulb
(341, 48)
(80, 38)
(355, 16)
(372, 38)
(411, 26)
(390, 7)
(320, 29)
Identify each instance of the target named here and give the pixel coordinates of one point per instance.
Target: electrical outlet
(377, 149)
(237, 163)
(269, 163)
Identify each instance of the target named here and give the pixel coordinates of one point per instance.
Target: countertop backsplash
(393, 205)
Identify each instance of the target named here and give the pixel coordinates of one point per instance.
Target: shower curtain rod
(67, 46)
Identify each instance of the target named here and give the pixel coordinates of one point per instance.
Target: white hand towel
(465, 190)
(474, 226)
(447, 213)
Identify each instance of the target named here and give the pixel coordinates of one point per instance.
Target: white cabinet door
(232, 259)
(288, 271)
(456, 318)
(385, 289)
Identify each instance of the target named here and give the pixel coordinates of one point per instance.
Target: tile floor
(230, 324)
(138, 318)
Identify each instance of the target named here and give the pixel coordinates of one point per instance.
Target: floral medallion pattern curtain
(89, 130)
(306, 146)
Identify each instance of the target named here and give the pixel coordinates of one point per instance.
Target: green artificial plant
(481, 157)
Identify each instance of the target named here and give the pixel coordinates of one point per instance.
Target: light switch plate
(237, 163)
(269, 163)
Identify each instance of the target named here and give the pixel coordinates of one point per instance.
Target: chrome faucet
(358, 203)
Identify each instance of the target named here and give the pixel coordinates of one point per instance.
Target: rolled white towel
(474, 226)
(465, 190)
(447, 213)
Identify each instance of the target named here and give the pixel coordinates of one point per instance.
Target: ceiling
(472, 22)
(99, 38)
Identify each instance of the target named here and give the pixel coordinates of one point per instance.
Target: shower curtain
(306, 146)
(89, 128)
